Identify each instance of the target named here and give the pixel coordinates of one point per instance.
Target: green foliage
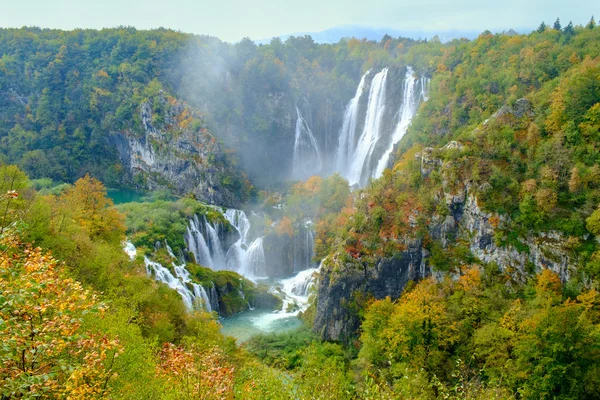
(282, 350)
(502, 342)
(160, 221)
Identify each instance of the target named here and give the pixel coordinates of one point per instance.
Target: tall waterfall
(307, 159)
(382, 123)
(371, 130)
(347, 137)
(406, 113)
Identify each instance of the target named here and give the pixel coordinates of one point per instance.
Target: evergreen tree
(592, 23)
(542, 27)
(557, 25)
(569, 30)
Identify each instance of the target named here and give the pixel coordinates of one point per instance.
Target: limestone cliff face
(179, 156)
(466, 221)
(336, 317)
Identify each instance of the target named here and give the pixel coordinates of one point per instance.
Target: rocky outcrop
(186, 160)
(339, 294)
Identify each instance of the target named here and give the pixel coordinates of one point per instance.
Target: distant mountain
(333, 35)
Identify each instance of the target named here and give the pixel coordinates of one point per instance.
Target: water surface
(253, 322)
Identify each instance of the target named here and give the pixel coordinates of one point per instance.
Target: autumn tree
(196, 373)
(44, 352)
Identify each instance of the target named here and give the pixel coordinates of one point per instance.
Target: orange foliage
(196, 374)
(42, 312)
(284, 227)
(548, 282)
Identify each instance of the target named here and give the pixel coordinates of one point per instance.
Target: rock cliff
(178, 153)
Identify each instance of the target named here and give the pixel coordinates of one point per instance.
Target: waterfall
(196, 244)
(253, 261)
(406, 113)
(307, 155)
(371, 132)
(296, 290)
(130, 250)
(215, 246)
(239, 220)
(360, 159)
(347, 134)
(203, 241)
(424, 88)
(180, 282)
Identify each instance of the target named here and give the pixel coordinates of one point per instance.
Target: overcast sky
(231, 20)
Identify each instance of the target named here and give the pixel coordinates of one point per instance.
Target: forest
(488, 219)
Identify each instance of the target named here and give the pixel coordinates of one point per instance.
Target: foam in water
(371, 131)
(307, 159)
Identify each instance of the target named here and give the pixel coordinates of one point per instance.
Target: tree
(195, 373)
(591, 24)
(43, 350)
(557, 26)
(593, 222)
(542, 27)
(90, 208)
(569, 30)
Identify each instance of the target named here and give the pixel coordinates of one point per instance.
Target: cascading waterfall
(247, 259)
(366, 157)
(371, 131)
(196, 244)
(253, 261)
(304, 248)
(307, 159)
(406, 113)
(347, 135)
(180, 282)
(296, 290)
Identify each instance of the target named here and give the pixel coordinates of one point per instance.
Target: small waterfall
(180, 282)
(202, 239)
(304, 248)
(371, 131)
(253, 261)
(215, 246)
(239, 220)
(130, 249)
(424, 81)
(347, 134)
(296, 290)
(196, 244)
(307, 159)
(406, 113)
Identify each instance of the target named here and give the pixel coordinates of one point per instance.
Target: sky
(231, 20)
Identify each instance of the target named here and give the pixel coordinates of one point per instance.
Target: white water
(347, 136)
(354, 158)
(295, 292)
(371, 130)
(307, 159)
(130, 250)
(246, 259)
(406, 113)
(181, 282)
